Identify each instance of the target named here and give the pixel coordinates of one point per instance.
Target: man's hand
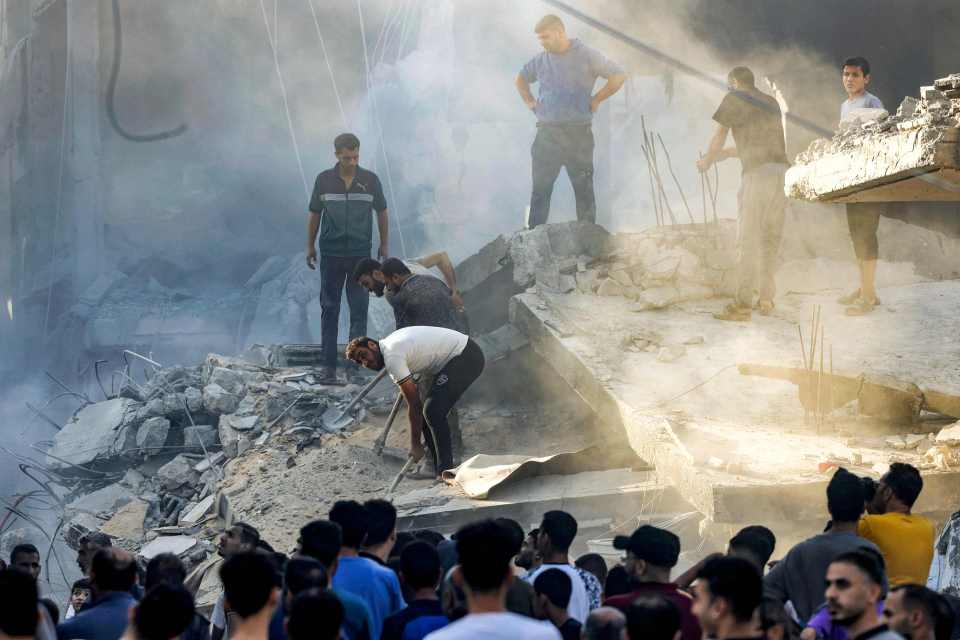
(417, 452)
(457, 301)
(594, 104)
(383, 252)
(531, 104)
(312, 257)
(704, 163)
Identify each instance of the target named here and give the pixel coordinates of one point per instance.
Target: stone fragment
(177, 473)
(622, 277)
(610, 287)
(152, 434)
(895, 442)
(194, 399)
(105, 500)
(913, 440)
(127, 522)
(229, 379)
(950, 436)
(218, 400)
(907, 107)
(671, 353)
(248, 405)
(134, 480)
(243, 445)
(587, 280)
(932, 94)
(201, 433)
(167, 544)
(93, 433)
(241, 423)
(198, 511)
(205, 464)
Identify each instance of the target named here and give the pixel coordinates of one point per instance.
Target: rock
(204, 465)
(247, 406)
(105, 500)
(932, 94)
(167, 544)
(201, 433)
(243, 445)
(622, 277)
(177, 473)
(895, 442)
(610, 287)
(95, 433)
(241, 423)
(587, 280)
(198, 512)
(671, 353)
(127, 522)
(218, 400)
(913, 440)
(228, 437)
(79, 525)
(907, 107)
(950, 436)
(134, 480)
(152, 434)
(174, 404)
(194, 399)
(230, 380)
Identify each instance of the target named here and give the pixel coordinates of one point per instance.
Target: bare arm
(383, 225)
(614, 83)
(715, 151)
(415, 414)
(685, 579)
(523, 87)
(441, 261)
(313, 226)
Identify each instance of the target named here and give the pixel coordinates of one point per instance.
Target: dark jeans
(863, 220)
(335, 272)
(448, 386)
(557, 146)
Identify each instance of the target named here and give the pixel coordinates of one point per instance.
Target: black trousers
(448, 385)
(336, 272)
(863, 220)
(555, 147)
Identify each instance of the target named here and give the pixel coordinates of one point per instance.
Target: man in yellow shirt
(906, 540)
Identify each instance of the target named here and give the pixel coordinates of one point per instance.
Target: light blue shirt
(377, 586)
(865, 101)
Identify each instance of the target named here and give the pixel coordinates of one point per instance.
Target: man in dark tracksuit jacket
(341, 207)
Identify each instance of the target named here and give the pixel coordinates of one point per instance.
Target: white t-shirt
(418, 269)
(579, 607)
(420, 350)
(865, 101)
(508, 626)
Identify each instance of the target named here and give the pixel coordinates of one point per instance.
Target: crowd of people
(355, 576)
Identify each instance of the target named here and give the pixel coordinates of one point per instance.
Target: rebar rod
(675, 180)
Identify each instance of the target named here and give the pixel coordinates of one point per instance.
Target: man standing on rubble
(453, 359)
(863, 218)
(343, 201)
(755, 120)
(567, 70)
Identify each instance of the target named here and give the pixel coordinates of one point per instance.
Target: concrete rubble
(910, 155)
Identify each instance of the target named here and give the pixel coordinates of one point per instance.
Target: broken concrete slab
(200, 437)
(218, 400)
(228, 379)
(127, 522)
(152, 434)
(176, 545)
(104, 500)
(93, 434)
(950, 435)
(212, 461)
(198, 512)
(177, 473)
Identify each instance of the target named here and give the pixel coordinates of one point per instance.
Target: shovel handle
(381, 440)
(403, 470)
(363, 393)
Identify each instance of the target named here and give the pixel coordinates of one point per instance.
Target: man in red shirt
(651, 554)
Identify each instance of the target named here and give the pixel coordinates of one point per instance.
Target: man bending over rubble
(754, 118)
(341, 208)
(453, 359)
(369, 274)
(863, 218)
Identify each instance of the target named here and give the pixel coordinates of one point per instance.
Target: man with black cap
(651, 554)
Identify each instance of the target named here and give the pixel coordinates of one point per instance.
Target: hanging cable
(379, 130)
(333, 79)
(283, 94)
(112, 90)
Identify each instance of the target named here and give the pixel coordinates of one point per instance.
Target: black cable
(112, 90)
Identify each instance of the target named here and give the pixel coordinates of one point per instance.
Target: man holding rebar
(567, 70)
(757, 126)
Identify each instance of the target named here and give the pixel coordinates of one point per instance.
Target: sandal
(862, 308)
(734, 313)
(850, 298)
(766, 307)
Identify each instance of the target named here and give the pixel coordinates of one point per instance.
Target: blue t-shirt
(566, 81)
(105, 619)
(376, 585)
(357, 624)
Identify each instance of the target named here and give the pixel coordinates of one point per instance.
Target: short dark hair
(354, 521)
(561, 527)
(743, 75)
(556, 585)
(935, 607)
(304, 573)
(96, 538)
(165, 612)
(394, 267)
(420, 565)
(315, 615)
(595, 564)
(18, 592)
(485, 549)
(868, 563)
(321, 540)
(346, 141)
(382, 518)
(549, 22)
(652, 617)
(113, 570)
(248, 533)
(434, 538)
(905, 482)
(757, 540)
(735, 580)
(26, 547)
(82, 583)
(845, 496)
(365, 267)
(164, 568)
(857, 61)
(617, 582)
(515, 530)
(869, 490)
(351, 350)
(248, 581)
